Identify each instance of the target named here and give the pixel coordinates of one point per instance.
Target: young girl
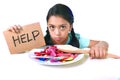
(60, 31)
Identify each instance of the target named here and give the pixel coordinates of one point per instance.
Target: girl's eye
(62, 27)
(51, 27)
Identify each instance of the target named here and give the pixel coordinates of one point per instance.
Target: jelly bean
(70, 58)
(42, 59)
(54, 60)
(37, 53)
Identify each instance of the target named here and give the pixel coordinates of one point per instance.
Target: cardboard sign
(30, 37)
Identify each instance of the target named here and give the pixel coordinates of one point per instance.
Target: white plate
(31, 54)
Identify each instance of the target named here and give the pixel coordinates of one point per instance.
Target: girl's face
(59, 29)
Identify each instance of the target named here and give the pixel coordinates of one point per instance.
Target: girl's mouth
(57, 39)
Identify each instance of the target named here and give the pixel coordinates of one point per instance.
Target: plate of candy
(50, 55)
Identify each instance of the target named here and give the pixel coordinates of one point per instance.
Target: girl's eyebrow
(63, 24)
(59, 25)
(50, 25)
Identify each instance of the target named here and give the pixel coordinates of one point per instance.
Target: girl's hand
(15, 28)
(99, 50)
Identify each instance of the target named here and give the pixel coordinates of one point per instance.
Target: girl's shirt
(83, 42)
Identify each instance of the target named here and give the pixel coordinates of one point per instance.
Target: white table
(21, 67)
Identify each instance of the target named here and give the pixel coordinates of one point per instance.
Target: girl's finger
(92, 54)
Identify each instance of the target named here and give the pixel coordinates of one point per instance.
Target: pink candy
(52, 54)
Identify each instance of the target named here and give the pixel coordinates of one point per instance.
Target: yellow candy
(70, 58)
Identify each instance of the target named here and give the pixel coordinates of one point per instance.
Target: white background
(94, 19)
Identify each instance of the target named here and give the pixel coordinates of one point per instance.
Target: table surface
(21, 67)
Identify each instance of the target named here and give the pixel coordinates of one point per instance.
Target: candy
(52, 54)
(42, 59)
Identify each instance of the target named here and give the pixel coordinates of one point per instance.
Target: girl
(60, 31)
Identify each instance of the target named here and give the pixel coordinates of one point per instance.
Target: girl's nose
(57, 32)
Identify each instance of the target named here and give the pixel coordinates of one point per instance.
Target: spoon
(72, 49)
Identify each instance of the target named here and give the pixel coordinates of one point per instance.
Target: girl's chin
(57, 42)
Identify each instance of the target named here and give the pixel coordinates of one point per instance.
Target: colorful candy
(52, 54)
